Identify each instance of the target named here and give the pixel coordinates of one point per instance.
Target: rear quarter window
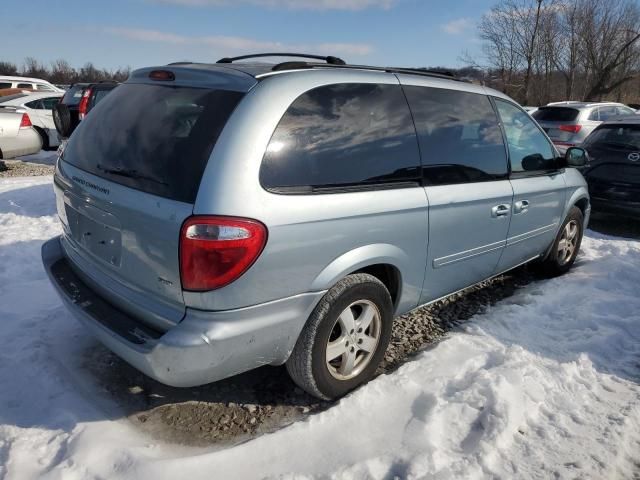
(153, 138)
(343, 135)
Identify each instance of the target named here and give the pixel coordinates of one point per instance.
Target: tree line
(538, 51)
(60, 72)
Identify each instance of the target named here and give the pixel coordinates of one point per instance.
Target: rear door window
(607, 112)
(343, 136)
(556, 114)
(529, 149)
(460, 138)
(152, 138)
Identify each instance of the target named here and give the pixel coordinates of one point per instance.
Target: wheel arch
(384, 261)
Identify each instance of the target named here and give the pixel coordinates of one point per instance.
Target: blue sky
(113, 33)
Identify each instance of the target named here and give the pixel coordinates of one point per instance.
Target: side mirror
(576, 157)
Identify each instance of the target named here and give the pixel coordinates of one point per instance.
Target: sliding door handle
(500, 210)
(521, 206)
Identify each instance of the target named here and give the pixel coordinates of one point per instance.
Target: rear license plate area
(94, 230)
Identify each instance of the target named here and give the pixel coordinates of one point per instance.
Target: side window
(49, 103)
(5, 85)
(459, 135)
(35, 104)
(625, 111)
(24, 85)
(529, 149)
(606, 113)
(342, 135)
(595, 115)
(44, 88)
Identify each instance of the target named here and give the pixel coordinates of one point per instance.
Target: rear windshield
(626, 137)
(73, 95)
(152, 138)
(556, 114)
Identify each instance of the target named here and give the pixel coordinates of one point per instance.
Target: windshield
(555, 114)
(152, 138)
(73, 95)
(615, 136)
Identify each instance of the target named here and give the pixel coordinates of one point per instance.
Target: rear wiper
(130, 173)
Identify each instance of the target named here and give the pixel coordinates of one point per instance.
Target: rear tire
(62, 120)
(44, 137)
(344, 339)
(566, 245)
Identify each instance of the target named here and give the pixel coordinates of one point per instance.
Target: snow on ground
(543, 385)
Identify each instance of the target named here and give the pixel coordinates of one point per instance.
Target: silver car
(222, 217)
(17, 135)
(568, 124)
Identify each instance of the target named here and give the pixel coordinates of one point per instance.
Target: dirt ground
(237, 409)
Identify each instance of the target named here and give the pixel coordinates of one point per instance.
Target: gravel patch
(245, 406)
(19, 168)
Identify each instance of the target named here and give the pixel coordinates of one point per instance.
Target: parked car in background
(530, 110)
(17, 135)
(569, 123)
(613, 168)
(13, 91)
(217, 218)
(26, 82)
(76, 103)
(39, 106)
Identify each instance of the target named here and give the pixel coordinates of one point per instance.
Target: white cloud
(291, 4)
(231, 44)
(456, 27)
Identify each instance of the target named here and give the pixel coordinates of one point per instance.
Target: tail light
(84, 103)
(26, 121)
(215, 251)
(570, 128)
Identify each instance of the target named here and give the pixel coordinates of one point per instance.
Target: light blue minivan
(220, 217)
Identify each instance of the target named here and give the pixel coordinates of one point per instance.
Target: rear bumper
(202, 348)
(27, 142)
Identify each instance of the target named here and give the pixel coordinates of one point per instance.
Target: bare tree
(8, 68)
(33, 68)
(610, 32)
(586, 49)
(62, 72)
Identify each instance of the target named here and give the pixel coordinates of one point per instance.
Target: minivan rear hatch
(128, 179)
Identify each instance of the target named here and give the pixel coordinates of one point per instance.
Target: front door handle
(521, 206)
(500, 210)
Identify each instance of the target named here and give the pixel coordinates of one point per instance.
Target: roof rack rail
(412, 71)
(330, 60)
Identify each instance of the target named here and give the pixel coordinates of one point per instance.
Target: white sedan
(39, 106)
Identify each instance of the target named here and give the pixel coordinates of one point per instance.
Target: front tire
(345, 338)
(566, 245)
